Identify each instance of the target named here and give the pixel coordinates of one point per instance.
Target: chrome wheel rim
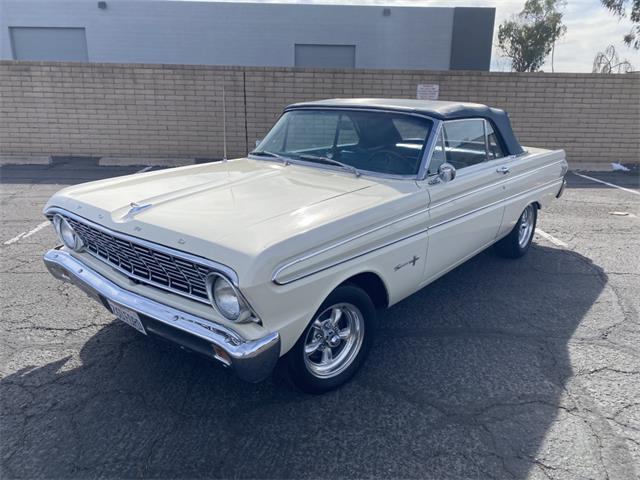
(334, 340)
(526, 226)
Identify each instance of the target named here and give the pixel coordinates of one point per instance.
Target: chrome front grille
(145, 264)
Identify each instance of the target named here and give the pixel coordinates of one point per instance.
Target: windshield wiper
(266, 153)
(318, 158)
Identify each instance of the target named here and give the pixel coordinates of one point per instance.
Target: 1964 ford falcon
(345, 207)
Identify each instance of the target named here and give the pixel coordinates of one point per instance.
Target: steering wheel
(388, 157)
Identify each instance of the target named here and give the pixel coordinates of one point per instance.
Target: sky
(590, 29)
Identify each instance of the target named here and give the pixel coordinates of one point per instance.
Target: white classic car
(345, 207)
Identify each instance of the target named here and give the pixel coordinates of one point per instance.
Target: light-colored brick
(175, 111)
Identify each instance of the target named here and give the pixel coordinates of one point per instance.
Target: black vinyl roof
(440, 110)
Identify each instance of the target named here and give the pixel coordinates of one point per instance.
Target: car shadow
(465, 380)
(61, 173)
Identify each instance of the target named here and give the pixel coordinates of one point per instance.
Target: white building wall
(248, 34)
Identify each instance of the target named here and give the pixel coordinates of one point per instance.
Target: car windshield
(381, 142)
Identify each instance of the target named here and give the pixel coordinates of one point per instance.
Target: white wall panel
(249, 34)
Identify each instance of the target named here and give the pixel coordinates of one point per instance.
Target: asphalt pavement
(500, 369)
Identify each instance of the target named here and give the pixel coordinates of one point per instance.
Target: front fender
(289, 308)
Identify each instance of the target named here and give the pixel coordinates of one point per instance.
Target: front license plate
(129, 317)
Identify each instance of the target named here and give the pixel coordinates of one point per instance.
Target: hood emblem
(135, 209)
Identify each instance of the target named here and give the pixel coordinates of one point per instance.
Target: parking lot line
(37, 228)
(551, 238)
(606, 183)
(27, 234)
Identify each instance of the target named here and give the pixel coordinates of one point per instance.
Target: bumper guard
(252, 360)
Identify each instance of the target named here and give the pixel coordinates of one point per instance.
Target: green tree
(619, 8)
(530, 36)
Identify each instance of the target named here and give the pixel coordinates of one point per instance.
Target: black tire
(511, 246)
(299, 365)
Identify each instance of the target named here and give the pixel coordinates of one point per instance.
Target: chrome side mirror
(446, 172)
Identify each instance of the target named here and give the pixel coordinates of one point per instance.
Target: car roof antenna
(224, 125)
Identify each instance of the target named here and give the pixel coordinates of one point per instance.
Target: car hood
(225, 211)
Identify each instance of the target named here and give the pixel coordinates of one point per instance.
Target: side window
(495, 150)
(438, 157)
(464, 142)
(411, 129)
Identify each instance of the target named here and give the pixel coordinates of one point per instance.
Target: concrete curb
(25, 160)
(178, 162)
(155, 162)
(98, 161)
(598, 167)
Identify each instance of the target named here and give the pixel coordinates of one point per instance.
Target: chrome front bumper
(252, 360)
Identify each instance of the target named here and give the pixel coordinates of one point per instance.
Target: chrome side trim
(387, 244)
(342, 242)
(353, 257)
(229, 272)
(471, 212)
(504, 180)
(252, 360)
(281, 268)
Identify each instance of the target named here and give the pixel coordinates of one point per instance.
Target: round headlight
(67, 234)
(225, 298)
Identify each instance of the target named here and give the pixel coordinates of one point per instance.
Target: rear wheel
(335, 343)
(517, 243)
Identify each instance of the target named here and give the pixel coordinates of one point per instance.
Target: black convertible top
(434, 108)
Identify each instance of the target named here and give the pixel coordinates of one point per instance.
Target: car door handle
(503, 169)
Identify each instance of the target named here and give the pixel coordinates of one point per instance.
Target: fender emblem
(411, 262)
(135, 209)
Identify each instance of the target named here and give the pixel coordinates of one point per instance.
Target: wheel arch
(373, 285)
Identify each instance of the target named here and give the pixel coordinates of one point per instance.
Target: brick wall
(175, 111)
(119, 110)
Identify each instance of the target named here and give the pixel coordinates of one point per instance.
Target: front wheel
(516, 244)
(335, 343)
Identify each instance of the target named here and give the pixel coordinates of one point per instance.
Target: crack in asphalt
(61, 388)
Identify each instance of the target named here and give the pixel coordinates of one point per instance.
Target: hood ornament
(135, 209)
